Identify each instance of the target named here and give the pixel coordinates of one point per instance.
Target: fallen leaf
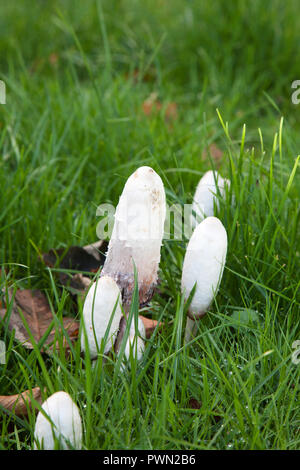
(80, 283)
(89, 258)
(151, 105)
(38, 316)
(138, 75)
(215, 153)
(53, 59)
(216, 418)
(171, 113)
(194, 404)
(150, 325)
(21, 402)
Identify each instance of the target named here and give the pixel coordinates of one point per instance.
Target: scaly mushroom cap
(137, 234)
(64, 424)
(206, 195)
(102, 298)
(203, 264)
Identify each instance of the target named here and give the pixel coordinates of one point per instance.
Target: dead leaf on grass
(53, 59)
(149, 325)
(89, 258)
(194, 404)
(152, 105)
(139, 76)
(215, 152)
(171, 113)
(21, 402)
(38, 316)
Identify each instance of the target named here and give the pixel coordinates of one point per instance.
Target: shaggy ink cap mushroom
(61, 425)
(203, 265)
(135, 344)
(206, 195)
(102, 305)
(137, 234)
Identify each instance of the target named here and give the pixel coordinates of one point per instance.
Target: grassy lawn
(96, 89)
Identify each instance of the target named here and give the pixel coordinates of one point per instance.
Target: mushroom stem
(189, 329)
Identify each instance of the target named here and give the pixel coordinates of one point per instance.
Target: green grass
(73, 130)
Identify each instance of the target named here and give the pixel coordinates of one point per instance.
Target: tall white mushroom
(62, 424)
(103, 302)
(203, 265)
(137, 234)
(205, 197)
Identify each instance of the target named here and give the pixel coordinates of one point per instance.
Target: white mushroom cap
(137, 233)
(102, 298)
(204, 263)
(206, 195)
(64, 424)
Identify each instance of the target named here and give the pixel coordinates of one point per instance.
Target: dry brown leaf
(53, 59)
(215, 152)
(149, 325)
(38, 315)
(89, 258)
(171, 113)
(138, 75)
(81, 283)
(194, 404)
(19, 403)
(151, 105)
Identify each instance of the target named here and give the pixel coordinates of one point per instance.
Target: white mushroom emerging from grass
(203, 265)
(135, 244)
(61, 427)
(137, 235)
(135, 344)
(206, 196)
(102, 305)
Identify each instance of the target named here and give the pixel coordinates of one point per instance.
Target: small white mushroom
(62, 424)
(135, 345)
(137, 234)
(103, 299)
(135, 340)
(203, 265)
(205, 198)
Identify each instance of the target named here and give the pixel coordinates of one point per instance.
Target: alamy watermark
(140, 222)
(2, 92)
(296, 94)
(296, 353)
(2, 352)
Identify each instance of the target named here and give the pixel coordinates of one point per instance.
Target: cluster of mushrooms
(134, 253)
